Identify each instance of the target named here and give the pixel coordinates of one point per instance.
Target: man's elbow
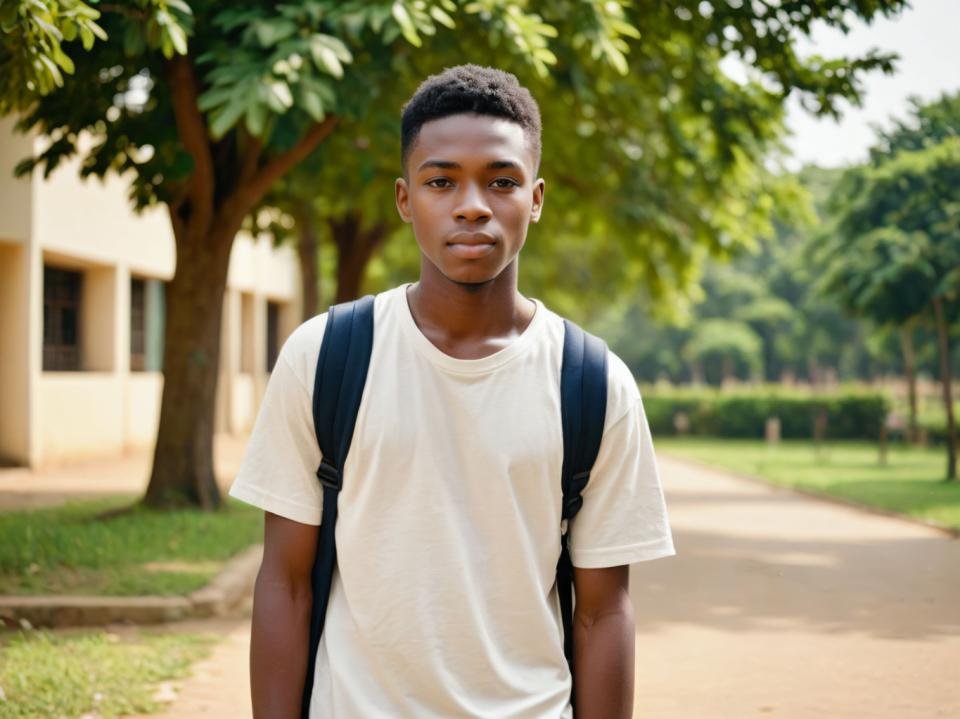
(616, 608)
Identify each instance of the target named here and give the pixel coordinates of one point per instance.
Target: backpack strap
(583, 406)
(337, 390)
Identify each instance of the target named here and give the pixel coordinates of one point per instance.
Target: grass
(44, 675)
(911, 482)
(68, 550)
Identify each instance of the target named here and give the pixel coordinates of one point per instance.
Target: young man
(443, 603)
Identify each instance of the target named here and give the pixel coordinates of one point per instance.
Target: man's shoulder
(622, 391)
(302, 347)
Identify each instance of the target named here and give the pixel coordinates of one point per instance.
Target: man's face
(470, 192)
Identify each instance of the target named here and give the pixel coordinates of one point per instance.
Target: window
(62, 292)
(273, 334)
(138, 292)
(147, 320)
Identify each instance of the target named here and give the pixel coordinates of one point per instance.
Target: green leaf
(337, 45)
(407, 27)
(53, 71)
(63, 60)
(226, 117)
(270, 32)
(310, 99)
(256, 117)
(279, 97)
(215, 96)
(86, 37)
(181, 6)
(327, 60)
(441, 17)
(178, 38)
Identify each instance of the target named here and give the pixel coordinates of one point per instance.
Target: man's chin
(473, 278)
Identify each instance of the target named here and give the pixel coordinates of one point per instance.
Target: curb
(822, 496)
(223, 593)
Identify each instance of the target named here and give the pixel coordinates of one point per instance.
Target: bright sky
(927, 38)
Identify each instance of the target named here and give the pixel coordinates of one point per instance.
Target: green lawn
(96, 673)
(910, 483)
(67, 550)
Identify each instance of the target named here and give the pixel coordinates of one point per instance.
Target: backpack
(338, 387)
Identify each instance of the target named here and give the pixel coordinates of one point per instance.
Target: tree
(894, 252)
(207, 105)
(727, 342)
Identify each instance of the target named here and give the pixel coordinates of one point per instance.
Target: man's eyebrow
(448, 165)
(504, 165)
(442, 164)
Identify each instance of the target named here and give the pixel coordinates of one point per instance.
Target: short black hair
(470, 88)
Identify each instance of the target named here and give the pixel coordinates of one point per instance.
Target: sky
(927, 38)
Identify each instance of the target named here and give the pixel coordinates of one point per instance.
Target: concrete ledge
(223, 593)
(228, 588)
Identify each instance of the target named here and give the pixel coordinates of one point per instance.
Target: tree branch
(192, 130)
(122, 10)
(279, 165)
(253, 149)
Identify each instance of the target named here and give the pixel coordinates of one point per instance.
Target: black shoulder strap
(337, 390)
(583, 406)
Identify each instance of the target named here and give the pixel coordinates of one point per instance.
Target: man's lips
(471, 245)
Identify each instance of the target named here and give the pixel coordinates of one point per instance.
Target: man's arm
(603, 643)
(282, 599)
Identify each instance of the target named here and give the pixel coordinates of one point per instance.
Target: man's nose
(472, 205)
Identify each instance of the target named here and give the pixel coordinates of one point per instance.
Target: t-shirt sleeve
(278, 470)
(623, 518)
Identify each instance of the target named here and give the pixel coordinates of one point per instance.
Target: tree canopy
(204, 106)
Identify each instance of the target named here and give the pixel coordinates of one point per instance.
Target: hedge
(850, 413)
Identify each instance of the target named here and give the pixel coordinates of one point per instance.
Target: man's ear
(403, 198)
(539, 188)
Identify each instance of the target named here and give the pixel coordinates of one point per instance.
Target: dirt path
(22, 488)
(776, 605)
(219, 686)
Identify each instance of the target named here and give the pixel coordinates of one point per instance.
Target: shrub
(851, 413)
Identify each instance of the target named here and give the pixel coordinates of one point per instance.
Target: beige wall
(50, 417)
(141, 414)
(15, 194)
(81, 415)
(14, 354)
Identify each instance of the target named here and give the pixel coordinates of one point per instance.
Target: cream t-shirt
(443, 603)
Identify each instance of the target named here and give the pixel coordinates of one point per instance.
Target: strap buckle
(329, 475)
(571, 505)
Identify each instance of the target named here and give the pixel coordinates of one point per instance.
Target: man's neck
(469, 321)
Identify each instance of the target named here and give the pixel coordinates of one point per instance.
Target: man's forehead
(468, 134)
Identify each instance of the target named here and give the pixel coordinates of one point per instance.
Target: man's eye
(441, 180)
(505, 183)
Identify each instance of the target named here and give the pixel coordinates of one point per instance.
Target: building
(82, 312)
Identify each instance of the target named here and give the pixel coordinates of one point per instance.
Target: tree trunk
(308, 246)
(943, 340)
(355, 248)
(230, 176)
(906, 343)
(183, 472)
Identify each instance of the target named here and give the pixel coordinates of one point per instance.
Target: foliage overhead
(674, 142)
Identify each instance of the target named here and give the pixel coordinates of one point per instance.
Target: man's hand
(603, 641)
(282, 599)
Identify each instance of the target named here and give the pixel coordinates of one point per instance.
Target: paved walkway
(93, 478)
(778, 605)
